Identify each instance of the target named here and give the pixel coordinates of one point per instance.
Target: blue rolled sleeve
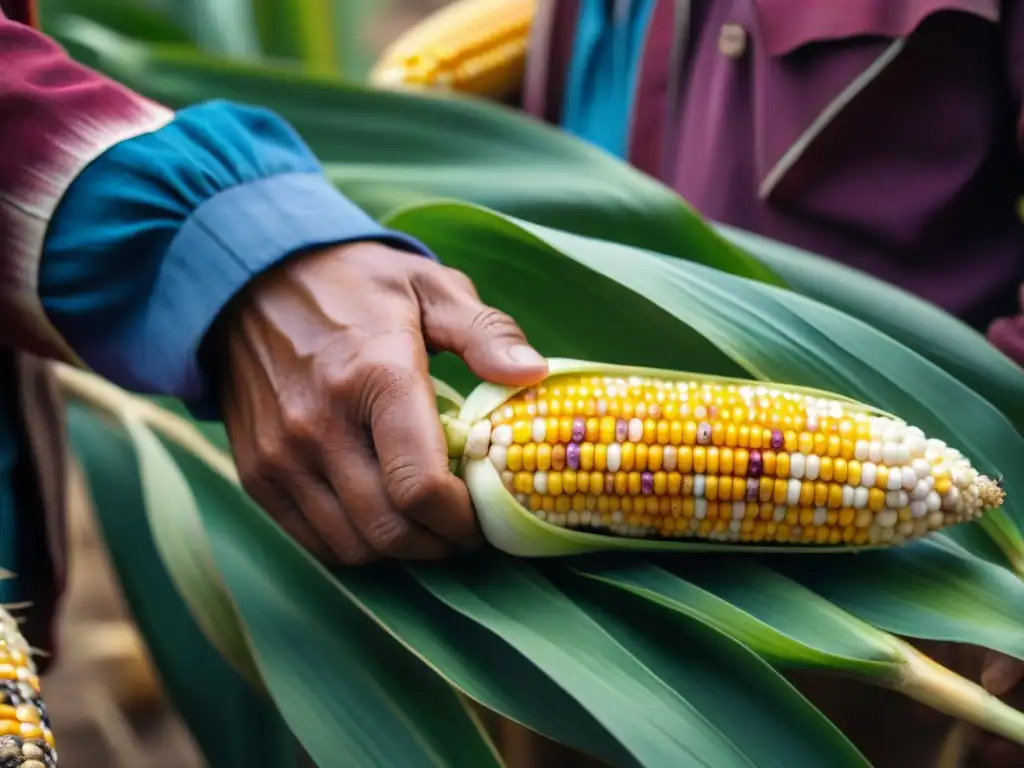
(155, 237)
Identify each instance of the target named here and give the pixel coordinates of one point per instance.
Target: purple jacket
(884, 134)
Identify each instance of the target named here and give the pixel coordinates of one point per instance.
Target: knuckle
(271, 459)
(388, 534)
(494, 322)
(460, 280)
(300, 423)
(354, 552)
(412, 488)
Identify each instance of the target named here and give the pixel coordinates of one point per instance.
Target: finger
(1001, 673)
(334, 528)
(411, 448)
(491, 343)
(356, 478)
(1007, 335)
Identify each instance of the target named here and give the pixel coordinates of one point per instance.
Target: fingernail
(524, 355)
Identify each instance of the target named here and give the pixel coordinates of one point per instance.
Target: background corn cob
(647, 457)
(472, 46)
(25, 737)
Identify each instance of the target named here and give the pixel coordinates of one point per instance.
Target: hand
(1001, 676)
(1007, 334)
(326, 396)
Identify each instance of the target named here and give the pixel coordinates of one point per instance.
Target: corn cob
(471, 46)
(650, 456)
(26, 740)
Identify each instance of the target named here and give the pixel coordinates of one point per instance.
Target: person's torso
(879, 133)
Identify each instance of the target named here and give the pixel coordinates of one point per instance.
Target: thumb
(491, 343)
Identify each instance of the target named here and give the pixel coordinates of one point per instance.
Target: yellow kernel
(768, 462)
(700, 460)
(792, 516)
(551, 434)
(523, 483)
(601, 457)
(650, 431)
(820, 494)
(569, 484)
(684, 459)
(743, 437)
(782, 465)
(660, 483)
(675, 435)
(563, 504)
(536, 501)
(593, 430)
(805, 443)
(654, 457)
(530, 457)
(640, 459)
(514, 458)
(807, 493)
(543, 457)
(725, 461)
(876, 499)
(826, 469)
(675, 482)
(711, 488)
(621, 483)
(820, 443)
(606, 432)
(739, 488)
(662, 436)
(731, 434)
(690, 432)
(834, 447)
(521, 431)
(587, 457)
(633, 483)
(712, 461)
(628, 455)
(835, 496)
(688, 506)
(853, 473)
(718, 433)
(882, 476)
(740, 457)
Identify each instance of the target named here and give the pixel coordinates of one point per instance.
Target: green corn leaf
(923, 327)
(189, 665)
(662, 706)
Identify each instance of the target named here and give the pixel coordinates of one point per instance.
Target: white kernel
(895, 480)
(502, 434)
(585, 517)
(700, 412)
(797, 464)
(890, 452)
(936, 520)
(861, 450)
(540, 514)
(613, 458)
(739, 510)
(875, 451)
(539, 430)
(886, 534)
(508, 479)
(523, 499)
(542, 408)
(917, 446)
(848, 494)
(779, 514)
(617, 516)
(699, 483)
(920, 491)
(669, 458)
(735, 526)
(868, 474)
(820, 516)
(860, 497)
(700, 508)
(918, 508)
(499, 457)
(573, 519)
(636, 430)
(540, 482)
(909, 479)
(479, 439)
(887, 518)
(933, 501)
(902, 453)
(812, 422)
(895, 432)
(793, 492)
(935, 449)
(897, 499)
(812, 467)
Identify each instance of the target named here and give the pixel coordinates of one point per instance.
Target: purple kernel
(777, 441)
(753, 487)
(646, 483)
(572, 455)
(621, 430)
(579, 429)
(755, 466)
(704, 433)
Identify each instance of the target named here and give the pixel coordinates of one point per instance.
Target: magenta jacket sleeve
(56, 116)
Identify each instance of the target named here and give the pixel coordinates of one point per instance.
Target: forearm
(55, 117)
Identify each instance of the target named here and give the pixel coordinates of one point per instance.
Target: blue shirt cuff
(231, 238)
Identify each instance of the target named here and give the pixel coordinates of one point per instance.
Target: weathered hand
(328, 403)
